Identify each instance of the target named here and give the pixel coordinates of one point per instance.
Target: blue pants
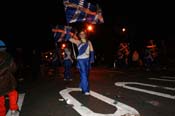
(67, 69)
(84, 66)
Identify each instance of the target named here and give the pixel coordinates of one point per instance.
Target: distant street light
(63, 46)
(90, 28)
(123, 29)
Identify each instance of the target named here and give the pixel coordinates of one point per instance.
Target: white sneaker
(14, 113)
(87, 93)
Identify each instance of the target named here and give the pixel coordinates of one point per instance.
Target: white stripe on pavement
(124, 85)
(122, 109)
(20, 102)
(169, 80)
(167, 77)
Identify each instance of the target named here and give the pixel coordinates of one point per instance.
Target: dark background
(28, 24)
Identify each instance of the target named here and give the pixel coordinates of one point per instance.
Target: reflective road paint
(20, 102)
(162, 79)
(122, 109)
(124, 85)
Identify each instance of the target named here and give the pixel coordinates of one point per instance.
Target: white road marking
(122, 109)
(124, 85)
(167, 77)
(162, 79)
(20, 102)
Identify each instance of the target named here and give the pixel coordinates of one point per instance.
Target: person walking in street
(67, 64)
(125, 52)
(84, 59)
(8, 82)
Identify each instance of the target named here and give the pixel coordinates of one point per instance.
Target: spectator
(8, 82)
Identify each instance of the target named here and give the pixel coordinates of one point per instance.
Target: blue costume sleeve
(92, 59)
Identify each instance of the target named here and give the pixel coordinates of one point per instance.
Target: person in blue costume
(84, 59)
(67, 64)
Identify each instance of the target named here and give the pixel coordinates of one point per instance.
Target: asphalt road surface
(114, 92)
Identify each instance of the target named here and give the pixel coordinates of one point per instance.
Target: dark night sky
(29, 21)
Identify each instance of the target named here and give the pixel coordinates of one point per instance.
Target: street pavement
(114, 92)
